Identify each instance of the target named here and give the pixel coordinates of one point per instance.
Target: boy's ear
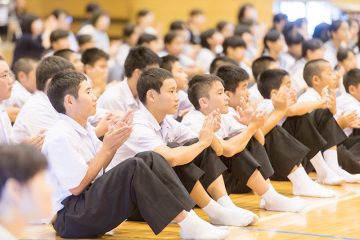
(136, 73)
(315, 80)
(273, 92)
(68, 100)
(352, 89)
(203, 102)
(150, 96)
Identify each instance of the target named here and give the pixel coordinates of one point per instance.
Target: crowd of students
(147, 129)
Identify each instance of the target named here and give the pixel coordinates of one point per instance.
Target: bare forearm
(299, 109)
(272, 121)
(217, 146)
(238, 143)
(259, 136)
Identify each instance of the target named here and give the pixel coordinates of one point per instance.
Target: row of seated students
(149, 166)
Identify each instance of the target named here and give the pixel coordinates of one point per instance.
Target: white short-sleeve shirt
(346, 104)
(19, 96)
(268, 107)
(5, 127)
(69, 147)
(35, 115)
(148, 134)
(296, 76)
(310, 95)
(255, 94)
(118, 97)
(229, 126)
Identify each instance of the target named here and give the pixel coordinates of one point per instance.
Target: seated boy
(319, 76)
(298, 123)
(172, 64)
(348, 105)
(88, 201)
(73, 57)
(196, 163)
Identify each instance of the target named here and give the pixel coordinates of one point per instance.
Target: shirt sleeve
(143, 139)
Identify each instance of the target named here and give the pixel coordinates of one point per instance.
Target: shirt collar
(315, 93)
(128, 96)
(75, 125)
(154, 124)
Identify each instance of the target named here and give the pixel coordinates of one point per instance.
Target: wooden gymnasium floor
(336, 218)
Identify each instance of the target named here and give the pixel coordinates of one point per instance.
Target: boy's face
(28, 80)
(355, 91)
(167, 101)
(236, 53)
(326, 78)
(99, 70)
(176, 46)
(179, 75)
(316, 54)
(241, 92)
(62, 43)
(217, 99)
(76, 61)
(296, 49)
(350, 62)
(85, 103)
(5, 81)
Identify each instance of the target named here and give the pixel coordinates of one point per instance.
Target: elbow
(228, 152)
(76, 191)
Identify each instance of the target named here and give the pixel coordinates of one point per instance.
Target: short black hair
(26, 23)
(261, 64)
(62, 84)
(233, 42)
(177, 25)
(272, 35)
(58, 11)
(219, 61)
(279, 17)
(146, 38)
(20, 162)
(294, 39)
(313, 68)
(142, 13)
(140, 58)
(199, 87)
(83, 38)
(312, 45)
(241, 29)
(92, 55)
(335, 25)
(232, 75)
(64, 53)
(195, 12)
(170, 36)
(221, 25)
(351, 78)
(269, 80)
(48, 67)
(204, 36)
(343, 53)
(242, 10)
(151, 78)
(168, 61)
(92, 7)
(129, 29)
(97, 15)
(322, 32)
(23, 65)
(57, 35)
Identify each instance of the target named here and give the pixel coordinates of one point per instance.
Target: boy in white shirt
(172, 64)
(320, 78)
(196, 163)
(123, 96)
(89, 201)
(348, 105)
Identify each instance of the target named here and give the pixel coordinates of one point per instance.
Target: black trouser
(147, 183)
(242, 165)
(349, 153)
(284, 151)
(327, 126)
(303, 129)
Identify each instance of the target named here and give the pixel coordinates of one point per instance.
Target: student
(73, 57)
(77, 172)
(25, 195)
(219, 61)
(225, 28)
(172, 64)
(85, 41)
(59, 39)
(339, 37)
(145, 20)
(123, 96)
(294, 42)
(196, 163)
(37, 114)
(195, 22)
(279, 21)
(258, 66)
(274, 45)
(235, 47)
(25, 83)
(311, 49)
(320, 78)
(150, 41)
(130, 36)
(211, 43)
(285, 165)
(346, 59)
(298, 123)
(248, 165)
(95, 63)
(348, 105)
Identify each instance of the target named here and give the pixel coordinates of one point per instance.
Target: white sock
(220, 215)
(226, 202)
(324, 174)
(304, 186)
(193, 227)
(273, 201)
(331, 159)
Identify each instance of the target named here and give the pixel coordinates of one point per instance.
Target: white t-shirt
(35, 115)
(287, 61)
(5, 127)
(268, 107)
(148, 134)
(346, 104)
(204, 59)
(229, 126)
(118, 97)
(19, 95)
(310, 95)
(69, 147)
(296, 76)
